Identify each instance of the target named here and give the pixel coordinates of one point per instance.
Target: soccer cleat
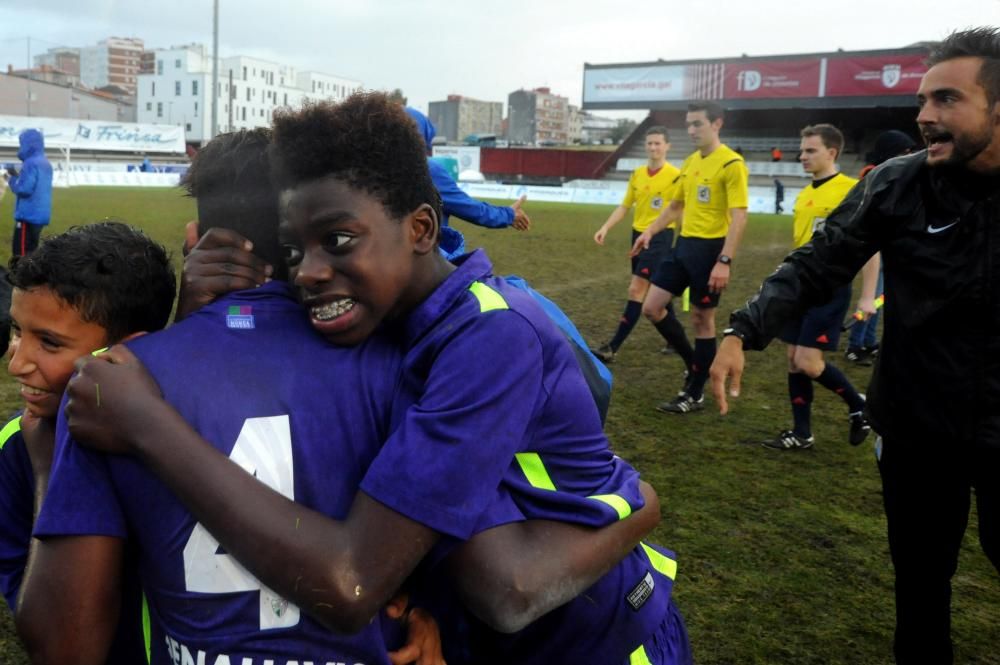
(860, 356)
(789, 440)
(859, 428)
(683, 403)
(605, 353)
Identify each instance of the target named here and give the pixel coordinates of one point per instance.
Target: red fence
(541, 162)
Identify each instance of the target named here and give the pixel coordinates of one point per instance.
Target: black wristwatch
(725, 260)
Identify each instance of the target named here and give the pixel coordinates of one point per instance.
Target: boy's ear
(425, 229)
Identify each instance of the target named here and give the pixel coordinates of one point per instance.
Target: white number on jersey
(264, 449)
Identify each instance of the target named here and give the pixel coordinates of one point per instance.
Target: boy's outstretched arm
(340, 572)
(513, 574)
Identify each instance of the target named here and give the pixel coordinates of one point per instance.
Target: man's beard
(965, 147)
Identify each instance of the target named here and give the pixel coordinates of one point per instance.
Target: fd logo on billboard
(748, 80)
(891, 75)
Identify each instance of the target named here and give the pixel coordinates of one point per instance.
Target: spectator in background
(862, 347)
(33, 188)
(776, 154)
(779, 196)
(456, 202)
(146, 166)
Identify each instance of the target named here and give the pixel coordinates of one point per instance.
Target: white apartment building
(178, 90)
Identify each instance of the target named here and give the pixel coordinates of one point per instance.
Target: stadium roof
(837, 79)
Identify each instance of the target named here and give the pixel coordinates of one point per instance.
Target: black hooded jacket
(938, 370)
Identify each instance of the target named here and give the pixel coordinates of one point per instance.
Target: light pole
(215, 69)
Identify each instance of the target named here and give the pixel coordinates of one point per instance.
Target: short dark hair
(713, 110)
(982, 43)
(112, 274)
(366, 141)
(231, 179)
(659, 129)
(827, 133)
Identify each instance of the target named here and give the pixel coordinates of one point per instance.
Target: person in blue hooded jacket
(456, 202)
(33, 188)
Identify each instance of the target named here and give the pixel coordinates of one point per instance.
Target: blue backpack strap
(598, 376)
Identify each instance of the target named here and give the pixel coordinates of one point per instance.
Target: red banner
(881, 75)
(771, 79)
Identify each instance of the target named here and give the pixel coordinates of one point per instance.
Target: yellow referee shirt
(650, 193)
(709, 187)
(815, 203)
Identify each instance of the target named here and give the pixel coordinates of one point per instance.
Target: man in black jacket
(935, 393)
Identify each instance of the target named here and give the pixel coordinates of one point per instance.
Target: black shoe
(859, 356)
(789, 440)
(605, 353)
(683, 403)
(859, 428)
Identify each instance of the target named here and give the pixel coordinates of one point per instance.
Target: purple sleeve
(443, 464)
(16, 507)
(81, 500)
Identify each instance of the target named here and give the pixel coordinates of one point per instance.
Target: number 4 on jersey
(264, 449)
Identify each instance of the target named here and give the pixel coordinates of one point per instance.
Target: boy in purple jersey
(84, 289)
(362, 211)
(344, 404)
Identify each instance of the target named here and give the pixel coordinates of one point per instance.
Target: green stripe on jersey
(534, 470)
(489, 299)
(663, 565)
(639, 657)
(619, 504)
(9, 430)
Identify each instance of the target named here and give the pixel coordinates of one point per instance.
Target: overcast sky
(432, 48)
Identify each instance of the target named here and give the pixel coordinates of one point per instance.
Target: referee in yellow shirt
(649, 191)
(712, 195)
(818, 329)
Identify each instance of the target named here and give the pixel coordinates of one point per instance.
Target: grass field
(782, 556)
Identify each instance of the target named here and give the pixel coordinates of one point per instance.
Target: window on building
(187, 127)
(153, 91)
(159, 109)
(244, 73)
(196, 109)
(194, 88)
(159, 67)
(286, 99)
(149, 106)
(244, 114)
(177, 88)
(248, 94)
(177, 63)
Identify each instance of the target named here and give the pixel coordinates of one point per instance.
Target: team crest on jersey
(657, 202)
(639, 594)
(279, 606)
(704, 194)
(240, 317)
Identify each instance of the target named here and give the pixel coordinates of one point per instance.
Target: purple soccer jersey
(307, 418)
(500, 402)
(17, 492)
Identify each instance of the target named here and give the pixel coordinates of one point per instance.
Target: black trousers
(26, 236)
(927, 484)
